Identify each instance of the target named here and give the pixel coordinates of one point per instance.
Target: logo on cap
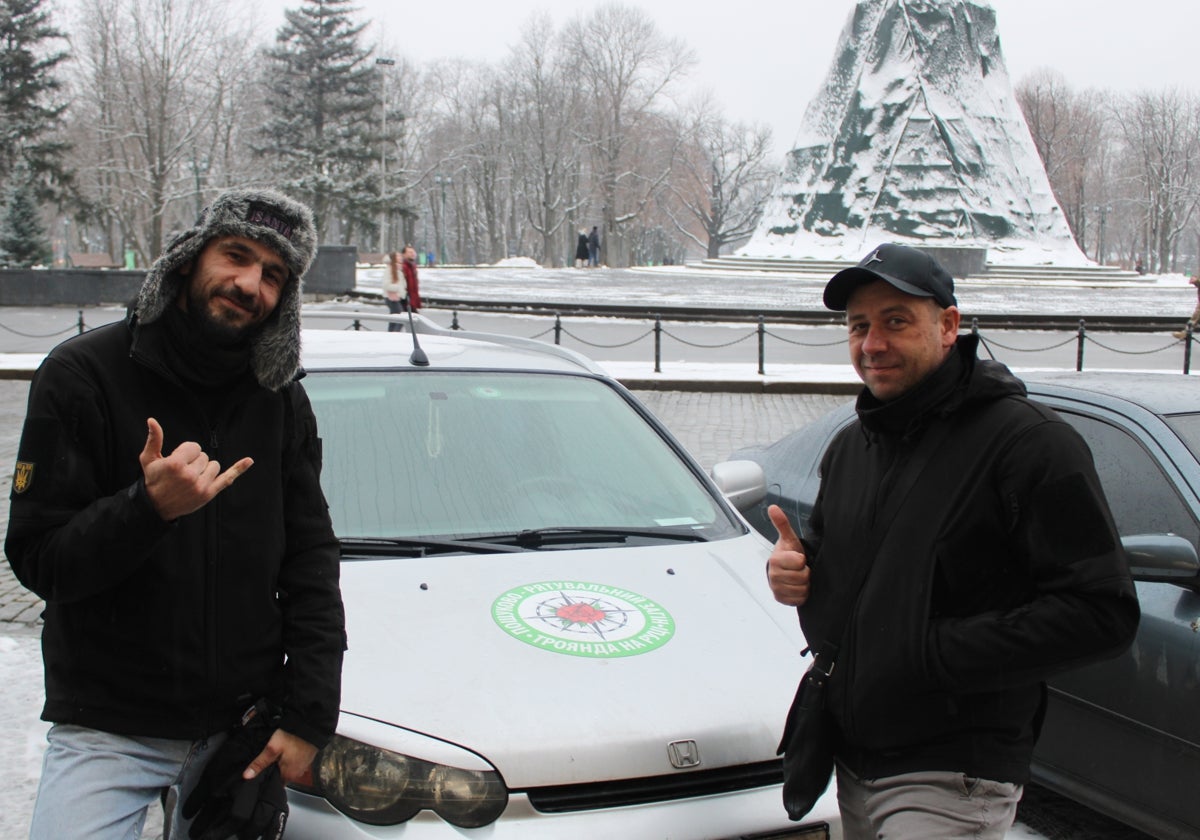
(261, 214)
(873, 258)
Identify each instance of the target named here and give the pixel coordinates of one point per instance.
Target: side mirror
(1162, 558)
(743, 483)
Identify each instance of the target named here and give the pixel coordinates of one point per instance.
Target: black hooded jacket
(171, 629)
(995, 566)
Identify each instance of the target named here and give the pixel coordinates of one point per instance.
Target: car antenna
(418, 357)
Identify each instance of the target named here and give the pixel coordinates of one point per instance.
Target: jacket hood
(285, 226)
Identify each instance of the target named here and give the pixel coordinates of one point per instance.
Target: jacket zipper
(212, 568)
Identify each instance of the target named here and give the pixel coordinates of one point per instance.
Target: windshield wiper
(541, 537)
(419, 546)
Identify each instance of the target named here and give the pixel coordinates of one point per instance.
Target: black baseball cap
(911, 271)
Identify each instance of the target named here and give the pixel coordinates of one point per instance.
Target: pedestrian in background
(582, 254)
(961, 551)
(1195, 319)
(392, 288)
(594, 247)
(181, 594)
(412, 289)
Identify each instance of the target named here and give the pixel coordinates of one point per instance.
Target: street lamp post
(1103, 211)
(442, 181)
(383, 209)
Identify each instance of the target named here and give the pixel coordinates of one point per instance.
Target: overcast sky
(764, 59)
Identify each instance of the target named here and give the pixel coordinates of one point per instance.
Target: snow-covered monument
(916, 136)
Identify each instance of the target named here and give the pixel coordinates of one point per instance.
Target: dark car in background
(1122, 736)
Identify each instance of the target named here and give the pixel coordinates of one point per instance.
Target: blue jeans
(932, 805)
(99, 785)
(395, 307)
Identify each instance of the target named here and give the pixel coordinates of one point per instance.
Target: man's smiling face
(234, 285)
(897, 339)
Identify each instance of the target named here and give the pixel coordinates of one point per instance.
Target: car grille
(613, 794)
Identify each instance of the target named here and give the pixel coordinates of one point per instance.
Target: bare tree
(721, 179)
(1161, 131)
(469, 153)
(155, 84)
(627, 68)
(546, 154)
(1070, 132)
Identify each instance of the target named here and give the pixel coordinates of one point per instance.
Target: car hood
(560, 667)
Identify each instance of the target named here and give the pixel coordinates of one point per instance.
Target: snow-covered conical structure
(916, 137)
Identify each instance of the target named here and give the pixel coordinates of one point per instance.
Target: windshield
(460, 454)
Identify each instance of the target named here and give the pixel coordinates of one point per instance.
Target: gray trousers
(932, 805)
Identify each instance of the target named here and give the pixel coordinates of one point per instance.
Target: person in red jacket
(412, 291)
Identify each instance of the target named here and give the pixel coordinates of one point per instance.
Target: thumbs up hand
(787, 567)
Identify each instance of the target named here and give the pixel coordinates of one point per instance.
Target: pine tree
(323, 98)
(29, 118)
(23, 240)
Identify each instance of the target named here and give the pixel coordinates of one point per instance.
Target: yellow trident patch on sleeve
(22, 476)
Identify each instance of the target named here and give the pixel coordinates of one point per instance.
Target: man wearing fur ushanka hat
(270, 219)
(194, 630)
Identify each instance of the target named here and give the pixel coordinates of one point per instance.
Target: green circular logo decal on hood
(583, 619)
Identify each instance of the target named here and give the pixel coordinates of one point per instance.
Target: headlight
(380, 787)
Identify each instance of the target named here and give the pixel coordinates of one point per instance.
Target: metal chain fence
(79, 327)
(1081, 339)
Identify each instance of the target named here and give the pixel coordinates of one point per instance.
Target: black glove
(223, 804)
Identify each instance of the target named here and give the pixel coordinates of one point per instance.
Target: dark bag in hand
(808, 742)
(223, 804)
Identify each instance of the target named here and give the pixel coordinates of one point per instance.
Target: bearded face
(233, 287)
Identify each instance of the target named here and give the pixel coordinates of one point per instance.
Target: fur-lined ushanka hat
(285, 226)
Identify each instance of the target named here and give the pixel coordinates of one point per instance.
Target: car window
(463, 453)
(1187, 426)
(1123, 463)
(1155, 683)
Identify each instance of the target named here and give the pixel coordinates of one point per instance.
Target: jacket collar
(960, 379)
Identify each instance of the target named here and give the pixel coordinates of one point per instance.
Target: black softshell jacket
(171, 629)
(1000, 566)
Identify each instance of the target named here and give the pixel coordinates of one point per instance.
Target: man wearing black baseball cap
(182, 590)
(961, 550)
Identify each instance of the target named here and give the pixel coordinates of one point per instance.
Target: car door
(1123, 735)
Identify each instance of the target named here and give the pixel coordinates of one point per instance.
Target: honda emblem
(683, 754)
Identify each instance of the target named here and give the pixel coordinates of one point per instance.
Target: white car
(558, 627)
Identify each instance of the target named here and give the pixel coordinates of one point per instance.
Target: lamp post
(1103, 211)
(383, 209)
(442, 181)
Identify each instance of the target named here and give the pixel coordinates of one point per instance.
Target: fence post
(357, 325)
(658, 344)
(557, 328)
(1187, 349)
(454, 321)
(762, 335)
(1079, 349)
(80, 324)
(974, 326)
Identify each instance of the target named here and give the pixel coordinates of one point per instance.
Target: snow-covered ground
(22, 735)
(765, 291)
